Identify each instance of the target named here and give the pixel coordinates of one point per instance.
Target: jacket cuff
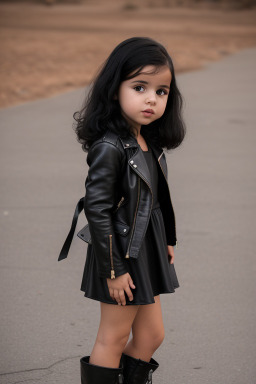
(172, 243)
(171, 240)
(118, 272)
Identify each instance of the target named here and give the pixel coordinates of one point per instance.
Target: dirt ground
(46, 50)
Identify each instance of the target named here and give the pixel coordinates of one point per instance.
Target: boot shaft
(137, 371)
(95, 374)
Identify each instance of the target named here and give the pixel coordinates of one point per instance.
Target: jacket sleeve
(104, 160)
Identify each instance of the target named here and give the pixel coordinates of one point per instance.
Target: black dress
(151, 272)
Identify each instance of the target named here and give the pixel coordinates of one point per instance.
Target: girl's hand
(117, 287)
(170, 253)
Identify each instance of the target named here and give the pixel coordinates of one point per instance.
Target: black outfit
(137, 371)
(151, 271)
(118, 201)
(91, 373)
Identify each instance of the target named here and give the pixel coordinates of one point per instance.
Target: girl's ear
(115, 97)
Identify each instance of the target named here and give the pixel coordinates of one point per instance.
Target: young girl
(132, 112)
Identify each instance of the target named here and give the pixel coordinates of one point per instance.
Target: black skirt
(151, 272)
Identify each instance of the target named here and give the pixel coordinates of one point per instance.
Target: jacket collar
(137, 160)
(131, 142)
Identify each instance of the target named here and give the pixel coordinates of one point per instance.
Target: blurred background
(51, 46)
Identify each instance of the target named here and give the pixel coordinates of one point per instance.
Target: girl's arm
(104, 160)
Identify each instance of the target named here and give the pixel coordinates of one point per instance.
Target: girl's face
(143, 98)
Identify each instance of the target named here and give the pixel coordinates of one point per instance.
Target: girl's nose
(151, 98)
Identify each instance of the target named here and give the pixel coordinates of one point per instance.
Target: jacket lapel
(139, 165)
(137, 160)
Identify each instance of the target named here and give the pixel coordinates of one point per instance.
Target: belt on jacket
(65, 249)
(66, 246)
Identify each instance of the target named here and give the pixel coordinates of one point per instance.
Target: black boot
(95, 374)
(137, 371)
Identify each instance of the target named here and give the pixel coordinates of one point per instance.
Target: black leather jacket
(119, 199)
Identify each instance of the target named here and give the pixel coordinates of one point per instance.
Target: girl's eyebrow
(145, 82)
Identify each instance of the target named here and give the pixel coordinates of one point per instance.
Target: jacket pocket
(121, 228)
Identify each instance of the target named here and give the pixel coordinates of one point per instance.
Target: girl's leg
(147, 331)
(113, 334)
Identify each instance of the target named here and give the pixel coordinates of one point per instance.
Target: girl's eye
(139, 88)
(161, 92)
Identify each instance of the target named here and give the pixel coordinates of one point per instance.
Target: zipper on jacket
(111, 257)
(168, 191)
(119, 204)
(127, 254)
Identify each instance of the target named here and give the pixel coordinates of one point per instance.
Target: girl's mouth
(148, 112)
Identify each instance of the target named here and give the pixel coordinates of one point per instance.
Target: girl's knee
(114, 340)
(150, 340)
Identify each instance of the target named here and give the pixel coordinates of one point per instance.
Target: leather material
(118, 169)
(95, 374)
(85, 235)
(120, 228)
(118, 201)
(151, 272)
(66, 246)
(137, 371)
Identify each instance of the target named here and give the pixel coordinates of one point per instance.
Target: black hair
(102, 111)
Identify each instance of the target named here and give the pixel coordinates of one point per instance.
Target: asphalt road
(210, 322)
